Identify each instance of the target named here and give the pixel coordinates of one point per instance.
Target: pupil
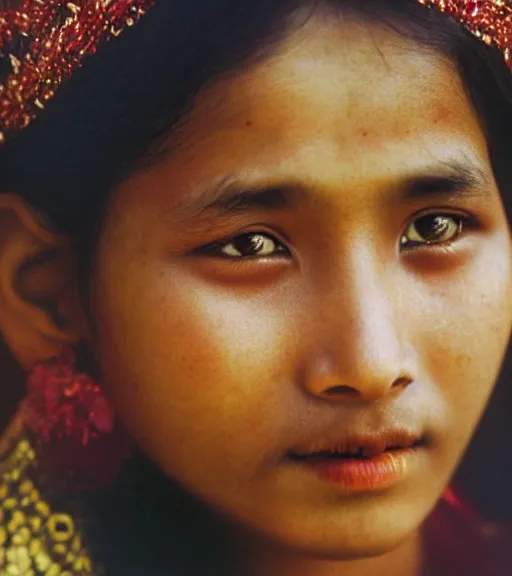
(433, 227)
(249, 244)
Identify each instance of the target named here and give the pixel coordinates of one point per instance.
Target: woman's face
(322, 262)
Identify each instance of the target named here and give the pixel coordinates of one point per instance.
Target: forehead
(338, 106)
(345, 81)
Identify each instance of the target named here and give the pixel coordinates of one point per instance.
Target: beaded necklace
(35, 540)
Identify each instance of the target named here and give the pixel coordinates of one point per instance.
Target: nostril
(342, 391)
(402, 382)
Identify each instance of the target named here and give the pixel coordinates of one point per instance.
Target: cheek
(465, 327)
(197, 373)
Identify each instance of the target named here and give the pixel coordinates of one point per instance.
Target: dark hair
(114, 117)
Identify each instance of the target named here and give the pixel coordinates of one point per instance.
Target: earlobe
(40, 312)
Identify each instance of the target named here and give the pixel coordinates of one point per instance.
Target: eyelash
(258, 239)
(217, 248)
(461, 224)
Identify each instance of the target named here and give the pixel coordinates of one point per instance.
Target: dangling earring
(77, 443)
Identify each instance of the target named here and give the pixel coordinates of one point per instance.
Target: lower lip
(359, 475)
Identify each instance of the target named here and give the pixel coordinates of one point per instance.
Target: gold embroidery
(34, 539)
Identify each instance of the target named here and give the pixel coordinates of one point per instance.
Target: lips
(359, 446)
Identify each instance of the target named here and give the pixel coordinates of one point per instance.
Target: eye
(433, 229)
(251, 245)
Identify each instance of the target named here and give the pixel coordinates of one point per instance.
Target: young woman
(275, 236)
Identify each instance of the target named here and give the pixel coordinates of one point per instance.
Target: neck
(260, 559)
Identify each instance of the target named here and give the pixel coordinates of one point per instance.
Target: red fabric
(457, 544)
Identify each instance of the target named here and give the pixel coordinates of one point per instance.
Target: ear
(40, 310)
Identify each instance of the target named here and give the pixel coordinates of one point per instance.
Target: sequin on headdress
(42, 42)
(488, 20)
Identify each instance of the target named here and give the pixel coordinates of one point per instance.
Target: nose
(358, 348)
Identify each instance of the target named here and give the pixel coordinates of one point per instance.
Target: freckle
(365, 133)
(441, 114)
(249, 123)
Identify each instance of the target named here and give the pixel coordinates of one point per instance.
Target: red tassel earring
(77, 443)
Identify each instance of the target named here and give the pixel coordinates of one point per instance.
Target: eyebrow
(451, 179)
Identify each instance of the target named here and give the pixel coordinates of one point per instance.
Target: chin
(344, 546)
(368, 549)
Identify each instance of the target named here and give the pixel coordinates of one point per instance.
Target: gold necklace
(34, 539)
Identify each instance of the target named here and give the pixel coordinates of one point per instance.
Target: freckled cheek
(204, 374)
(466, 327)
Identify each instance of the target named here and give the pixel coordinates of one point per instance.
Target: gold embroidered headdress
(488, 20)
(42, 42)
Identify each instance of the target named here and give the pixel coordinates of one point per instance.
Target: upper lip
(369, 444)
